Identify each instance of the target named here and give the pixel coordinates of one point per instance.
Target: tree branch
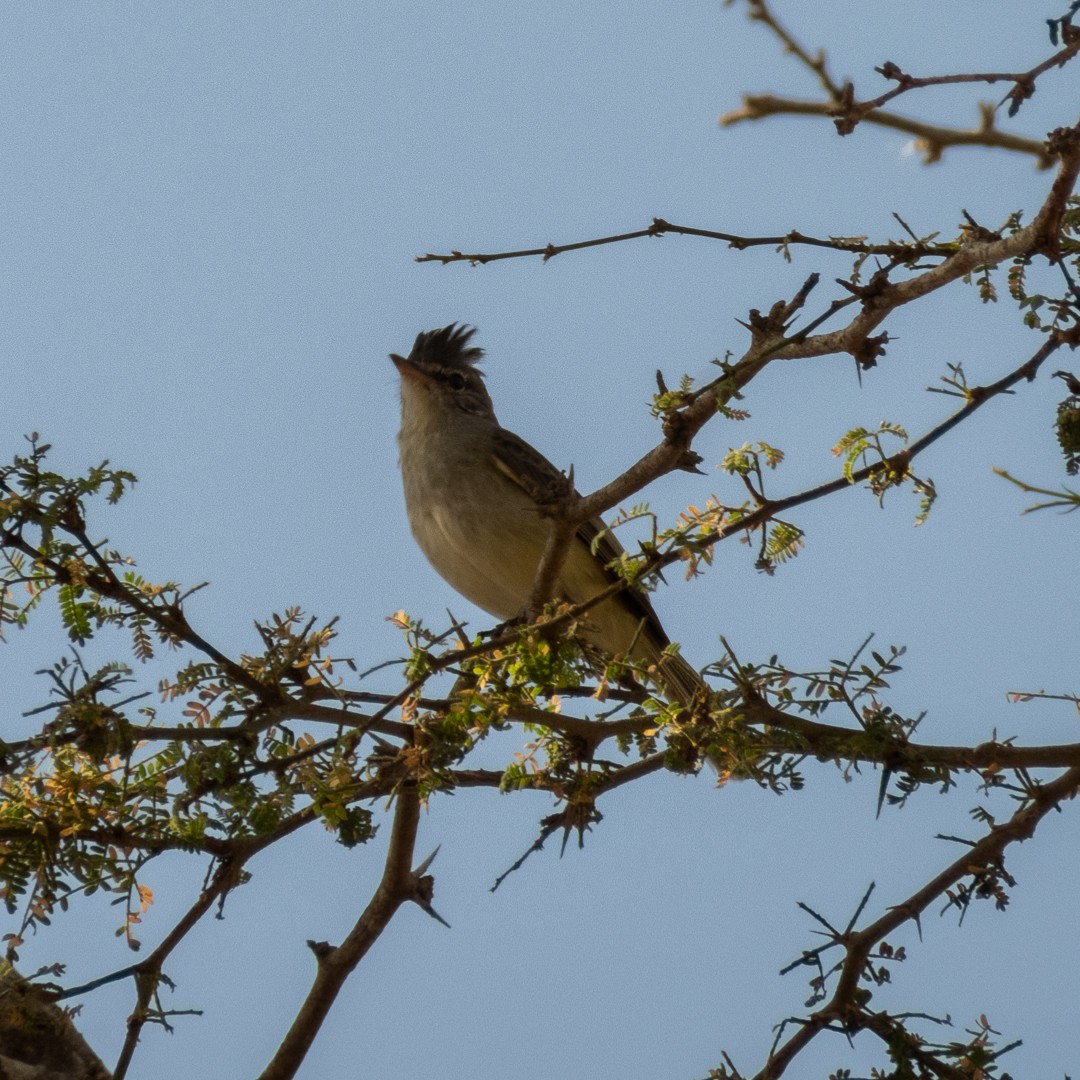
(771, 342)
(660, 227)
(335, 963)
(933, 139)
(846, 112)
(843, 1008)
(147, 973)
(759, 11)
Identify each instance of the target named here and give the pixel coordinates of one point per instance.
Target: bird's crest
(447, 348)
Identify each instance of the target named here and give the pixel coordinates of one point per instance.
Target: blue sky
(210, 217)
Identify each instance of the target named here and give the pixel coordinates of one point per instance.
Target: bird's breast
(477, 529)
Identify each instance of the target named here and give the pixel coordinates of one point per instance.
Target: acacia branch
(640, 474)
(846, 112)
(634, 771)
(335, 963)
(666, 456)
(1041, 237)
(934, 139)
(896, 753)
(593, 732)
(977, 398)
(824, 740)
(770, 340)
(660, 227)
(562, 531)
(170, 620)
(1023, 81)
(343, 717)
(241, 733)
(147, 973)
(843, 1008)
(759, 11)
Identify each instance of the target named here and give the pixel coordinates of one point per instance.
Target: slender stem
(760, 12)
(659, 227)
(148, 972)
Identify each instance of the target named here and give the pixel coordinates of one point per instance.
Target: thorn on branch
(689, 462)
(1023, 88)
(972, 230)
(874, 288)
(892, 71)
(423, 867)
(675, 428)
(1063, 141)
(323, 950)
(866, 355)
(422, 889)
(775, 322)
(422, 897)
(845, 115)
(1071, 381)
(798, 301)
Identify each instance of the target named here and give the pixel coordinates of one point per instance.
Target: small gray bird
(469, 492)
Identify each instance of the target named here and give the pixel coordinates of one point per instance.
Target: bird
(470, 494)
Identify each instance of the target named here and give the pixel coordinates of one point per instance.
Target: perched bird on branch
(474, 494)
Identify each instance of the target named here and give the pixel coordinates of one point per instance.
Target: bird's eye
(456, 381)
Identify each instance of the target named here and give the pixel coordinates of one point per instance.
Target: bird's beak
(407, 369)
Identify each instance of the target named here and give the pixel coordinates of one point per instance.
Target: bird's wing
(539, 479)
(526, 467)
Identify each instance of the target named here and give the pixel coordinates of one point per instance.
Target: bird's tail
(679, 679)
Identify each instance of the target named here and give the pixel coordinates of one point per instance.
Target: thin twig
(660, 227)
(760, 12)
(1023, 81)
(147, 973)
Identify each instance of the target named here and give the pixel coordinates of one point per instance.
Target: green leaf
(75, 613)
